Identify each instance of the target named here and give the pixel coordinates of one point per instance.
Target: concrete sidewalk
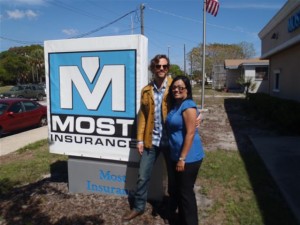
(281, 156)
(14, 142)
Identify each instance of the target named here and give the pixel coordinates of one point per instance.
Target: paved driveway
(14, 142)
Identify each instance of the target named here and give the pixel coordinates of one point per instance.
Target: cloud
(23, 2)
(30, 14)
(70, 31)
(20, 14)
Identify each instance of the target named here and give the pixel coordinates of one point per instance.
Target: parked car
(17, 114)
(44, 86)
(31, 91)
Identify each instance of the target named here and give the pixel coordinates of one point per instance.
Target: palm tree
(36, 59)
(247, 83)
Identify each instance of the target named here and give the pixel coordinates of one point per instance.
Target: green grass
(27, 165)
(5, 88)
(211, 96)
(225, 167)
(238, 185)
(224, 178)
(242, 191)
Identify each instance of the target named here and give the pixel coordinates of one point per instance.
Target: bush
(285, 113)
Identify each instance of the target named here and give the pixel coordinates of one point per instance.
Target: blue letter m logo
(93, 83)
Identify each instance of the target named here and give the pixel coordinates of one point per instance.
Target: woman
(185, 146)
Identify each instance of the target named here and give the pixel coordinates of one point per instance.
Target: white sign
(93, 93)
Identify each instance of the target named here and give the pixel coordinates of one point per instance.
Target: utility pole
(184, 60)
(142, 7)
(203, 55)
(191, 63)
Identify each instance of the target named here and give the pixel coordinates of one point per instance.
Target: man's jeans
(147, 161)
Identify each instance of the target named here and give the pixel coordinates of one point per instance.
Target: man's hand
(198, 120)
(140, 147)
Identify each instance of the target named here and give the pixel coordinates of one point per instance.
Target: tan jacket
(146, 113)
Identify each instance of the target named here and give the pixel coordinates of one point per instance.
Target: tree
(175, 70)
(36, 60)
(248, 50)
(195, 58)
(216, 53)
(15, 66)
(247, 84)
(197, 75)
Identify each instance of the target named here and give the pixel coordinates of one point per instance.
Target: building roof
(236, 63)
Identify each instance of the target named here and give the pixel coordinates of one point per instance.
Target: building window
(261, 73)
(276, 80)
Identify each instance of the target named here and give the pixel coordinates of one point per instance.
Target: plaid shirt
(158, 120)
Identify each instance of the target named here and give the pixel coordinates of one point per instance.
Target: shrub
(285, 113)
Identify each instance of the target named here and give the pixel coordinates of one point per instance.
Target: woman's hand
(180, 166)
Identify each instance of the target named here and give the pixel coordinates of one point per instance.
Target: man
(150, 131)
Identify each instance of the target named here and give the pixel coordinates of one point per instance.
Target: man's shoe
(132, 214)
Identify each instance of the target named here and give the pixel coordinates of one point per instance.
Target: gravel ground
(49, 202)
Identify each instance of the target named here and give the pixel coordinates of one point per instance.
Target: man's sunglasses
(163, 66)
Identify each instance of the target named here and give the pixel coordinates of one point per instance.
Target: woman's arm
(189, 117)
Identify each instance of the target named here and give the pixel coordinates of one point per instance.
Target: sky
(173, 27)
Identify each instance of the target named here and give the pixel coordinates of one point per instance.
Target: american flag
(212, 7)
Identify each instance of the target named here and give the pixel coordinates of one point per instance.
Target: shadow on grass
(272, 205)
(21, 207)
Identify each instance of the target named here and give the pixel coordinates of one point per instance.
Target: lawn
(223, 179)
(237, 198)
(27, 165)
(5, 88)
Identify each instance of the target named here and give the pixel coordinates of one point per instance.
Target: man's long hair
(155, 61)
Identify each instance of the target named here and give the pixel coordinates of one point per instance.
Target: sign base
(88, 175)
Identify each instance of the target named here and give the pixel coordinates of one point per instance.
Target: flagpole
(203, 54)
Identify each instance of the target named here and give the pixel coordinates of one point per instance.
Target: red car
(17, 114)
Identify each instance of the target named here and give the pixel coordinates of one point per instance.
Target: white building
(255, 70)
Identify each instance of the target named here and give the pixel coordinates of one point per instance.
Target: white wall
(261, 85)
(231, 77)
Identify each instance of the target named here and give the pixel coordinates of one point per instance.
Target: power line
(199, 21)
(102, 27)
(171, 35)
(80, 11)
(123, 31)
(63, 5)
(173, 14)
(106, 10)
(78, 36)
(21, 42)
